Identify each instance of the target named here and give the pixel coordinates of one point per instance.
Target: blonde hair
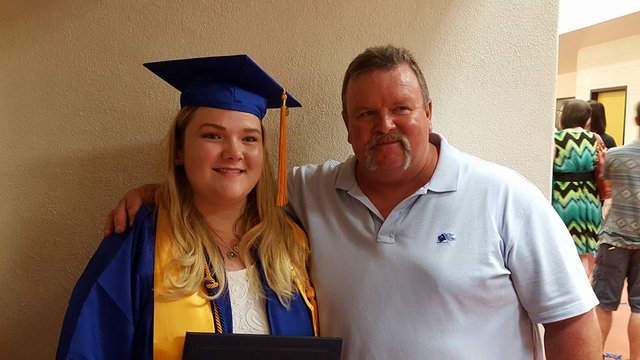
(265, 230)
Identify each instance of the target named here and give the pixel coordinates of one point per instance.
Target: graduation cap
(233, 82)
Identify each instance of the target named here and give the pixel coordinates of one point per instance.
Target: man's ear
(428, 110)
(345, 118)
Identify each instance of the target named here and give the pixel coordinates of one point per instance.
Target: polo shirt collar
(346, 179)
(444, 178)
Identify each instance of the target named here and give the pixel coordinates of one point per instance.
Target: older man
(423, 252)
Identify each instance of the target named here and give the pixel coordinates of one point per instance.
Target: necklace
(232, 253)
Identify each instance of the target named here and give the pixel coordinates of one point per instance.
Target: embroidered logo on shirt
(446, 238)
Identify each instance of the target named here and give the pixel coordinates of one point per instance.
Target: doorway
(615, 102)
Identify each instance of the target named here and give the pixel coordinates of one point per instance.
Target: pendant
(233, 253)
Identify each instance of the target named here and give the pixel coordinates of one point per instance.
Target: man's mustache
(388, 138)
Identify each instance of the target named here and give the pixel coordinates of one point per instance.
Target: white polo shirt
(462, 269)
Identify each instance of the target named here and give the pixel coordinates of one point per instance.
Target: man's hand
(128, 206)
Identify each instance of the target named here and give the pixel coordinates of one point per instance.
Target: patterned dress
(575, 197)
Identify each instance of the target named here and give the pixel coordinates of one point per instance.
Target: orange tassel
(282, 153)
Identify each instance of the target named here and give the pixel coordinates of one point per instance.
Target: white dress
(248, 308)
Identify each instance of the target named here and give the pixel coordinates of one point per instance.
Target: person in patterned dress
(575, 195)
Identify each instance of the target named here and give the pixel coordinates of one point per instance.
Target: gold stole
(172, 319)
(306, 290)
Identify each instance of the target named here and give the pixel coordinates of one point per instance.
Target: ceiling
(570, 42)
(578, 14)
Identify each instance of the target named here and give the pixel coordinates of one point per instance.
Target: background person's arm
(128, 206)
(606, 207)
(574, 338)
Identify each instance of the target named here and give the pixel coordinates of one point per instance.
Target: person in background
(598, 123)
(619, 253)
(575, 195)
(423, 251)
(215, 254)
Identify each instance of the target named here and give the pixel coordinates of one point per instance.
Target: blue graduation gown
(110, 313)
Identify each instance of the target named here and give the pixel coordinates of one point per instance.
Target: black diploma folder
(199, 346)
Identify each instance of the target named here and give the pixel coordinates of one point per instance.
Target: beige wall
(566, 87)
(612, 64)
(83, 121)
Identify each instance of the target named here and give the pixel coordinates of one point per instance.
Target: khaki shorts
(613, 265)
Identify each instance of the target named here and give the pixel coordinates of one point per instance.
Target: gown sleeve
(110, 312)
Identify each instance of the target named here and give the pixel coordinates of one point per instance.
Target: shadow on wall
(59, 225)
(13, 11)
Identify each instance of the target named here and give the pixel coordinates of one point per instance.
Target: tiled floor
(618, 341)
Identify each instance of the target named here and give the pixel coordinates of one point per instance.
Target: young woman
(216, 254)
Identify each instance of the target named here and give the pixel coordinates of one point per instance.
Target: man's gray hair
(382, 58)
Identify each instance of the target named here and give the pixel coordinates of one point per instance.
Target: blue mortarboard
(233, 82)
